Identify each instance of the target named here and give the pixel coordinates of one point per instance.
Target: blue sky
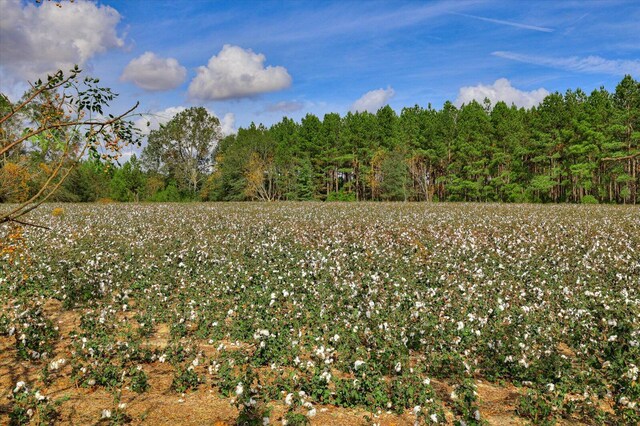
(324, 56)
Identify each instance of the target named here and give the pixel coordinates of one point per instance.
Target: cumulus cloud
(227, 123)
(501, 90)
(589, 64)
(285, 106)
(374, 100)
(237, 73)
(154, 73)
(157, 118)
(38, 40)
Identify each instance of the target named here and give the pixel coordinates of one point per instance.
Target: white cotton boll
(358, 364)
(312, 413)
(460, 325)
(288, 399)
(434, 418)
(398, 367)
(632, 374)
(265, 421)
(106, 414)
(239, 389)
(19, 386)
(416, 410)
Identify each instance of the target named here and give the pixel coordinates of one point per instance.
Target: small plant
(252, 409)
(589, 199)
(185, 379)
(465, 398)
(296, 419)
(35, 334)
(146, 324)
(139, 382)
(539, 407)
(30, 406)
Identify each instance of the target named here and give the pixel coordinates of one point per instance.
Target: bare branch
(626, 157)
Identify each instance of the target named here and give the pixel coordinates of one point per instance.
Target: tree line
(573, 147)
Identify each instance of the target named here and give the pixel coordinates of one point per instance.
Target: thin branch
(626, 157)
(18, 210)
(100, 124)
(35, 225)
(33, 96)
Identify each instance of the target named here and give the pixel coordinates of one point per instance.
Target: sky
(258, 61)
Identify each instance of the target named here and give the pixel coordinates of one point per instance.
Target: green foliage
(340, 196)
(573, 147)
(185, 379)
(589, 199)
(139, 382)
(539, 406)
(35, 334)
(296, 419)
(168, 194)
(182, 149)
(31, 407)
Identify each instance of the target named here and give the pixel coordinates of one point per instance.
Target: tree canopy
(573, 147)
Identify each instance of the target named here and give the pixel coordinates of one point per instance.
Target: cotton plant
(344, 300)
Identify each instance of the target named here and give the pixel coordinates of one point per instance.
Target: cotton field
(321, 313)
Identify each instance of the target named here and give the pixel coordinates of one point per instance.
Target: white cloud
(501, 90)
(228, 123)
(374, 100)
(508, 23)
(237, 73)
(157, 118)
(153, 73)
(38, 40)
(589, 64)
(285, 106)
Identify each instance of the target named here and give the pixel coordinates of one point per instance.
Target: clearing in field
(328, 313)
